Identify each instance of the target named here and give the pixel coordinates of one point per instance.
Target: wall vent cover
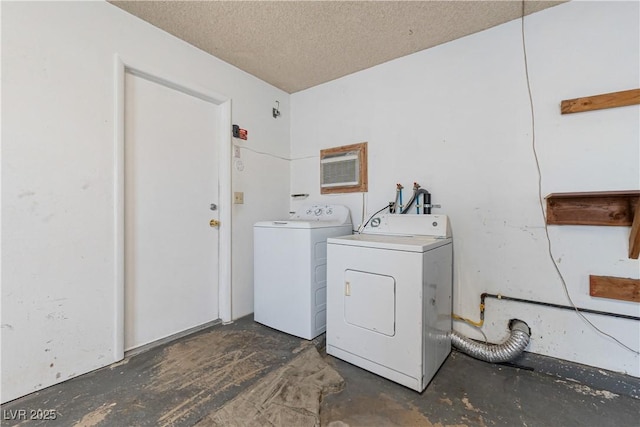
(343, 169)
(340, 170)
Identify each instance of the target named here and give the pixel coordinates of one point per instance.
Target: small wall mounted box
(239, 133)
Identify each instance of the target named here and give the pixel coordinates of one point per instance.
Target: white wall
(58, 282)
(456, 119)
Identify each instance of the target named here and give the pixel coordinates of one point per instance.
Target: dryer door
(370, 301)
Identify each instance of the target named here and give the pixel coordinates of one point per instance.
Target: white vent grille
(340, 170)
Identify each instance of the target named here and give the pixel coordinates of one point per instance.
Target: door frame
(223, 140)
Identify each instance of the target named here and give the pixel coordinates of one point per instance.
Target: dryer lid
(394, 243)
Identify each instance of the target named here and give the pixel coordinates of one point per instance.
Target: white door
(171, 251)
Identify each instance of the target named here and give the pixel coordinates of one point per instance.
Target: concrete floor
(469, 392)
(179, 383)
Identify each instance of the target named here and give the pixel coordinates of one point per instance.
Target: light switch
(238, 197)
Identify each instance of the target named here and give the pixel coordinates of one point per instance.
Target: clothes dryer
(389, 297)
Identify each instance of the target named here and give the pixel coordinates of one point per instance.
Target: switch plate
(238, 198)
(236, 151)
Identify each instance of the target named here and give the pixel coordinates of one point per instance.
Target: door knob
(214, 223)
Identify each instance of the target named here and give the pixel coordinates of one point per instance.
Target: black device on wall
(239, 133)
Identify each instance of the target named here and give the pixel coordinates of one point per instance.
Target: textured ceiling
(295, 45)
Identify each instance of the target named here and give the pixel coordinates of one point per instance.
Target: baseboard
(154, 344)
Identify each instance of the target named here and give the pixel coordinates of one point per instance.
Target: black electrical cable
(371, 217)
(517, 366)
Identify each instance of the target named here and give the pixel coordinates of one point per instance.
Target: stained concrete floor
(179, 383)
(469, 392)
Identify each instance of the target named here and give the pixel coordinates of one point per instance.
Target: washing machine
(389, 297)
(290, 268)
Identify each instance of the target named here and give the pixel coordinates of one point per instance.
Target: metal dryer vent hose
(511, 348)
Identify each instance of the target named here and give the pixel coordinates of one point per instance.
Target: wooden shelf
(600, 102)
(609, 208)
(614, 288)
(592, 208)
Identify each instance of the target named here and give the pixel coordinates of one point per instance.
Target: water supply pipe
(508, 350)
(397, 204)
(426, 200)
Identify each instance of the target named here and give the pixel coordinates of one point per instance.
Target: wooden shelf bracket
(634, 236)
(600, 102)
(618, 288)
(608, 208)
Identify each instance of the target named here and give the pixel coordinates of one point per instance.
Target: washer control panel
(335, 213)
